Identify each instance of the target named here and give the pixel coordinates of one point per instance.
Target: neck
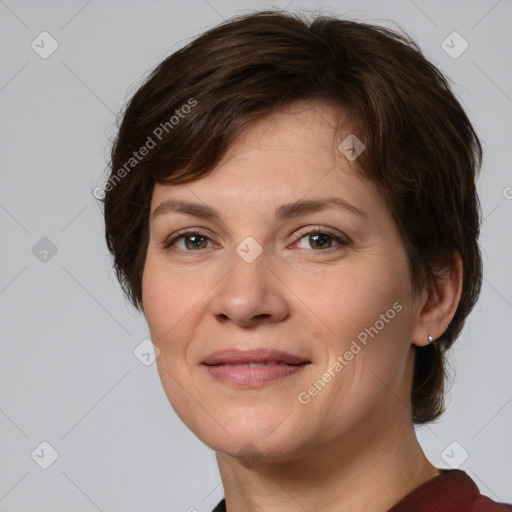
(369, 471)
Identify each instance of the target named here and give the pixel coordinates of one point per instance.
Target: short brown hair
(420, 146)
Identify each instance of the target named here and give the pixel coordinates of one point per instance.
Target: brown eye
(193, 240)
(322, 240)
(196, 242)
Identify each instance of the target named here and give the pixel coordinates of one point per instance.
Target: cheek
(168, 309)
(367, 312)
(166, 304)
(355, 298)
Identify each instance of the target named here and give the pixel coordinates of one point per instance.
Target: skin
(352, 447)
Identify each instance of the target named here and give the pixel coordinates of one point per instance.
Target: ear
(437, 305)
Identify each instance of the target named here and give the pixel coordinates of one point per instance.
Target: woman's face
(257, 276)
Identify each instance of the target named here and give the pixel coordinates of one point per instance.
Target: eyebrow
(285, 211)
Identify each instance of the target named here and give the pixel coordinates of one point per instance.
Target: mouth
(252, 368)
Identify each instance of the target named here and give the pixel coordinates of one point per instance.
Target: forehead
(301, 128)
(294, 149)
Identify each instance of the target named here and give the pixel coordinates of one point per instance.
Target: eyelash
(341, 240)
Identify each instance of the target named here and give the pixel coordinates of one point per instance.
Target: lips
(254, 356)
(252, 368)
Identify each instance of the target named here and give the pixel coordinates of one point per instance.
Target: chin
(252, 435)
(249, 450)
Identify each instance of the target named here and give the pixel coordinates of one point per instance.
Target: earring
(430, 339)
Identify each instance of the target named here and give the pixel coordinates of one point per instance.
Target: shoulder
(451, 491)
(485, 504)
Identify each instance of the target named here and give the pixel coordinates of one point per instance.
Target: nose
(250, 294)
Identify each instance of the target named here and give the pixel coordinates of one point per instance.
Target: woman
(292, 205)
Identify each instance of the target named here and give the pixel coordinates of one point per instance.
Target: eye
(322, 239)
(192, 240)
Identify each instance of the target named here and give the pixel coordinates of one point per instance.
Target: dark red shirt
(450, 491)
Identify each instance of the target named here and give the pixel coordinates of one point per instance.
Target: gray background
(68, 374)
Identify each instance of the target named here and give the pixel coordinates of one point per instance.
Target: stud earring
(430, 339)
